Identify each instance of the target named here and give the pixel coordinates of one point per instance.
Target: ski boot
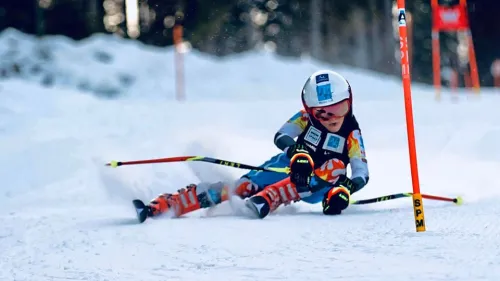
(271, 197)
(184, 201)
(192, 198)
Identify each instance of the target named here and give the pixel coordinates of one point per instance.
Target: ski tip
(141, 210)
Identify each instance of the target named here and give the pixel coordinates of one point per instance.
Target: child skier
(328, 139)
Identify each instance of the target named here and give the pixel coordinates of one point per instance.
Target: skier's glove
(301, 166)
(353, 185)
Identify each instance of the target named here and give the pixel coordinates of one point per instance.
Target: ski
(141, 210)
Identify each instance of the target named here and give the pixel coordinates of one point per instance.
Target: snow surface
(64, 216)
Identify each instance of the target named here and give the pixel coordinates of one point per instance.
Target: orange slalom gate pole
(418, 206)
(473, 63)
(452, 18)
(474, 73)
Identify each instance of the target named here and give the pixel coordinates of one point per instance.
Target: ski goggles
(333, 111)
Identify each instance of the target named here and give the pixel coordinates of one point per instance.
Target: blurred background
(358, 33)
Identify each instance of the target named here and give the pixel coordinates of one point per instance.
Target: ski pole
(115, 164)
(458, 200)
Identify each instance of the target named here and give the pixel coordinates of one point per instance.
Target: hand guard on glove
(301, 166)
(336, 200)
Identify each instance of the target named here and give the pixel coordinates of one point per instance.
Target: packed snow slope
(64, 216)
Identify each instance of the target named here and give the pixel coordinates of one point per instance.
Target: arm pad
(283, 141)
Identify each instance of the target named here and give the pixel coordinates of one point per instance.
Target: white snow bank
(108, 66)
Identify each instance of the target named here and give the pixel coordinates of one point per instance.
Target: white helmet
(324, 88)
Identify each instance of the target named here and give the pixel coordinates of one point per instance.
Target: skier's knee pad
(244, 187)
(335, 200)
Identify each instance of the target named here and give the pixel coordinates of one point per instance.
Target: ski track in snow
(64, 216)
